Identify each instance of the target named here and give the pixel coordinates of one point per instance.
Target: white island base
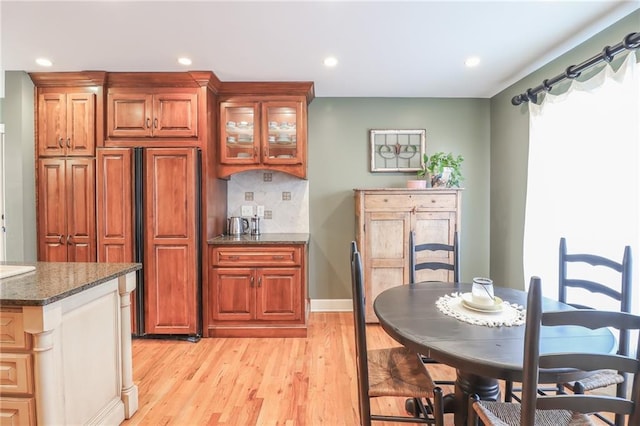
(81, 356)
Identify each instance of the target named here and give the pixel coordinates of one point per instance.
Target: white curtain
(583, 180)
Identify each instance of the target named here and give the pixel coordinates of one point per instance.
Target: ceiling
(384, 48)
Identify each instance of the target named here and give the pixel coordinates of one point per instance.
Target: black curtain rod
(630, 42)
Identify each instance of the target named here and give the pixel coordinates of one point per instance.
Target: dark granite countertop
(267, 238)
(52, 281)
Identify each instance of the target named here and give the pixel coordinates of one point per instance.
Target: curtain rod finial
(518, 99)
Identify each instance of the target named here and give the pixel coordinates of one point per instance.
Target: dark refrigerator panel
(149, 212)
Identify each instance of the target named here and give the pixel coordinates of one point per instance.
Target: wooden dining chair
(392, 372)
(619, 291)
(452, 251)
(568, 409)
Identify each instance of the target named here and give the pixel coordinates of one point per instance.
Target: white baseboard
(331, 305)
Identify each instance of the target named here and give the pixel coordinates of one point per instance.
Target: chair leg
(438, 406)
(508, 390)
(472, 417)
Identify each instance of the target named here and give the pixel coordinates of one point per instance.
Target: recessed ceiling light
(184, 61)
(472, 61)
(44, 62)
(330, 61)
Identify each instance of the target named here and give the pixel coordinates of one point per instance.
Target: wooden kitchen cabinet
(152, 112)
(66, 123)
(66, 209)
(258, 291)
(69, 125)
(266, 130)
(384, 220)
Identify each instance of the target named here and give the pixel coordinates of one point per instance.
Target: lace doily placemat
(510, 315)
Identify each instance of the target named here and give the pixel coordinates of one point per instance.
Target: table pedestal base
(468, 384)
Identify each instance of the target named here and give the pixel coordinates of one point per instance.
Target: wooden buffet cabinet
(384, 220)
(258, 286)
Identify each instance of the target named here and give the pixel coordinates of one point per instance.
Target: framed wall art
(397, 150)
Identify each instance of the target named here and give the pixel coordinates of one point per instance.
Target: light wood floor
(262, 381)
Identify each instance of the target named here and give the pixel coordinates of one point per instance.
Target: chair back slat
(579, 402)
(589, 362)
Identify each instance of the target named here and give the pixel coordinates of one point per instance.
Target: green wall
(19, 167)
(339, 162)
(509, 153)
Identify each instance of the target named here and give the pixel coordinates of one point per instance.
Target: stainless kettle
(237, 226)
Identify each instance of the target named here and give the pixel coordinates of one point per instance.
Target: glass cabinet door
(240, 133)
(281, 132)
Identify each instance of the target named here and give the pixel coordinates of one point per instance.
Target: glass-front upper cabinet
(263, 132)
(282, 132)
(240, 136)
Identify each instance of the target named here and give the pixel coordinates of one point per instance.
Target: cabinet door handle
(155, 123)
(148, 122)
(61, 240)
(69, 241)
(260, 282)
(251, 281)
(234, 257)
(277, 257)
(68, 142)
(60, 142)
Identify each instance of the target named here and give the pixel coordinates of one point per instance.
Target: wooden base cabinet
(258, 291)
(384, 220)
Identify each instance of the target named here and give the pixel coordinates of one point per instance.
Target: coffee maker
(255, 225)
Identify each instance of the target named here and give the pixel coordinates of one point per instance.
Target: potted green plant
(444, 169)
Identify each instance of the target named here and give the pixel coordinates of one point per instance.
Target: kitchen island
(65, 335)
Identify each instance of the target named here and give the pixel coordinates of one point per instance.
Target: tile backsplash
(285, 199)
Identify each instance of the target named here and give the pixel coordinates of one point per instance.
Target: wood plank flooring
(259, 381)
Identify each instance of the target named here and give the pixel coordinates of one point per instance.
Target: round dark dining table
(480, 354)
